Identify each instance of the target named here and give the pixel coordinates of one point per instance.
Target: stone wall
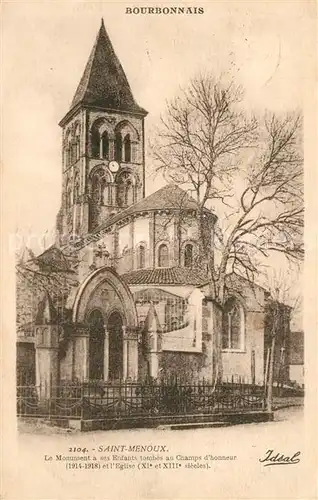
(239, 364)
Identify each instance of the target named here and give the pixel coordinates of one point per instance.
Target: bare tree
(247, 170)
(36, 275)
(283, 304)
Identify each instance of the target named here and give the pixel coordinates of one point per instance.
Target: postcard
(159, 250)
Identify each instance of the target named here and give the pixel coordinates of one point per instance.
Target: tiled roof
(104, 82)
(166, 276)
(53, 259)
(169, 197)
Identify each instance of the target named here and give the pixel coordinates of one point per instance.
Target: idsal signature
(274, 458)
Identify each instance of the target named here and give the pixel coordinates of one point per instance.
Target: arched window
(96, 345)
(163, 256)
(100, 187)
(188, 255)
(126, 189)
(129, 193)
(105, 145)
(96, 189)
(95, 142)
(118, 147)
(141, 260)
(233, 325)
(170, 309)
(106, 193)
(127, 148)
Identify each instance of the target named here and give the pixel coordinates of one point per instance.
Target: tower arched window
(96, 190)
(163, 255)
(188, 255)
(105, 145)
(127, 148)
(106, 193)
(233, 325)
(141, 259)
(129, 193)
(118, 147)
(126, 189)
(95, 143)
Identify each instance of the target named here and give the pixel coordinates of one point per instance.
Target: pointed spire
(152, 323)
(104, 82)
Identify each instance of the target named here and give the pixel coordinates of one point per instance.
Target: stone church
(139, 302)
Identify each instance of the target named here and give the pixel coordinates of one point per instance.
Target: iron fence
(62, 401)
(122, 399)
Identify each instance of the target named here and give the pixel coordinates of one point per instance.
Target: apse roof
(169, 197)
(166, 276)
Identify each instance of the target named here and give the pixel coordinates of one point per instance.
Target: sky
(46, 46)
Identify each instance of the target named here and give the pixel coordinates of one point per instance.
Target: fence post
(82, 400)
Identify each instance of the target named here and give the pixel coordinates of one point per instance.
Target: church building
(138, 304)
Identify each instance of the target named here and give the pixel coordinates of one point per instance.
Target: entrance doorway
(115, 332)
(96, 345)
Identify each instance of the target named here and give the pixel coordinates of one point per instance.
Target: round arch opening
(96, 345)
(116, 346)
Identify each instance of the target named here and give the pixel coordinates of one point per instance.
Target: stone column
(152, 241)
(154, 361)
(175, 257)
(81, 353)
(114, 194)
(132, 264)
(134, 158)
(106, 354)
(132, 370)
(47, 365)
(125, 353)
(111, 149)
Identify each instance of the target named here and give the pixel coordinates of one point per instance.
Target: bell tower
(103, 166)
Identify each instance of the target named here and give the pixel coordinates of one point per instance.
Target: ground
(243, 477)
